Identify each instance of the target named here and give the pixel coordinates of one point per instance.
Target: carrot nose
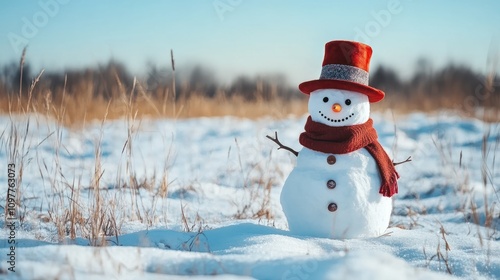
(336, 107)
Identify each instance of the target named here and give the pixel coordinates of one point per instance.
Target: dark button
(331, 184)
(332, 207)
(331, 159)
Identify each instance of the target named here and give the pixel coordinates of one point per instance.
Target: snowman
(343, 181)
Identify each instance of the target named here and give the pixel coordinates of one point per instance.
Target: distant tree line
(452, 86)
(113, 79)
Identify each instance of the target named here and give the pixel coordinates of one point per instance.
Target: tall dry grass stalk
(173, 82)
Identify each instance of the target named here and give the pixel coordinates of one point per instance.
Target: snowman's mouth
(338, 120)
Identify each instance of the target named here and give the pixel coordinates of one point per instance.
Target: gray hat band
(345, 73)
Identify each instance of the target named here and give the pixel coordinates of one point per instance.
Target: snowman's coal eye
(325, 99)
(348, 102)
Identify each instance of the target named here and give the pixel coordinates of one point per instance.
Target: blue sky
(235, 37)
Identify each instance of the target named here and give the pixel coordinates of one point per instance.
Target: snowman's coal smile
(333, 120)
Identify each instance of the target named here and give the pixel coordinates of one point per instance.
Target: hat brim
(374, 95)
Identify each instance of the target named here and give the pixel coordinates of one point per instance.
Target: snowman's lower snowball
(361, 210)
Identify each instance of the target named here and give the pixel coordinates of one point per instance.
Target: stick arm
(281, 146)
(401, 162)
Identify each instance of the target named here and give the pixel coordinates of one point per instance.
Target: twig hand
(404, 161)
(281, 146)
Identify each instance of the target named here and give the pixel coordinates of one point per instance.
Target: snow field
(201, 197)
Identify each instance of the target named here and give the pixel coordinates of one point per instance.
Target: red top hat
(345, 66)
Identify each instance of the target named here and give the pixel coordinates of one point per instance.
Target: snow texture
(444, 223)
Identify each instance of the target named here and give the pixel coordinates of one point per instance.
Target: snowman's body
(307, 193)
(336, 195)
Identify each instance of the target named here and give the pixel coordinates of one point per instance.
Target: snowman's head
(335, 107)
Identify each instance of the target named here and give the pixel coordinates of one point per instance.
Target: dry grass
(106, 208)
(258, 179)
(111, 93)
(86, 101)
(77, 109)
(100, 216)
(439, 257)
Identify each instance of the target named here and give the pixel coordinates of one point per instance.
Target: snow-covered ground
(171, 198)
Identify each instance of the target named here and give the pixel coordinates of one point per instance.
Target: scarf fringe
(390, 188)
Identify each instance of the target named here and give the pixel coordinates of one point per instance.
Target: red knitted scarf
(345, 139)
